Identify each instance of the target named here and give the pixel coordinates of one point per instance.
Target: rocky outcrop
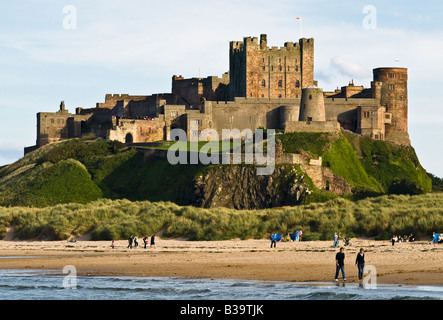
(239, 187)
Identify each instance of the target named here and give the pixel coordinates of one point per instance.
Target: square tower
(257, 71)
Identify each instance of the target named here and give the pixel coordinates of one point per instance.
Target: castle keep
(265, 87)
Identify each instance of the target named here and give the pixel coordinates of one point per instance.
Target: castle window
(280, 83)
(296, 68)
(264, 68)
(263, 83)
(392, 75)
(279, 95)
(366, 114)
(52, 120)
(263, 59)
(297, 84)
(280, 68)
(262, 95)
(391, 87)
(310, 96)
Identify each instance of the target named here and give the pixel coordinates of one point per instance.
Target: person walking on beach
(273, 240)
(360, 263)
(340, 264)
(135, 241)
(153, 240)
(145, 241)
(335, 244)
(130, 242)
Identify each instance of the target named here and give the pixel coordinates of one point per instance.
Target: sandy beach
(418, 263)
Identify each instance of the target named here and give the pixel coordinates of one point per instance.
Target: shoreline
(417, 263)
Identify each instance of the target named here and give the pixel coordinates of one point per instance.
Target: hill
(82, 171)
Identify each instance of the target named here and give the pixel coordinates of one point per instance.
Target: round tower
(287, 114)
(312, 105)
(394, 96)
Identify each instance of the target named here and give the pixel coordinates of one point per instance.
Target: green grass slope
(81, 171)
(371, 167)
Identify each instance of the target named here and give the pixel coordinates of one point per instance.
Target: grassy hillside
(377, 218)
(371, 167)
(108, 190)
(84, 170)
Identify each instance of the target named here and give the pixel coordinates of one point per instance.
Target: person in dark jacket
(130, 242)
(340, 264)
(153, 241)
(360, 263)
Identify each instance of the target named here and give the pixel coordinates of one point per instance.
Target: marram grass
(104, 219)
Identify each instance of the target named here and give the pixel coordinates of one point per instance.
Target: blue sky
(136, 46)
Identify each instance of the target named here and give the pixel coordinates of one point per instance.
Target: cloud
(349, 68)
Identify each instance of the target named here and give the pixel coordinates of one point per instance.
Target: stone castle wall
(257, 71)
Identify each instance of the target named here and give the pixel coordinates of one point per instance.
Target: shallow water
(53, 285)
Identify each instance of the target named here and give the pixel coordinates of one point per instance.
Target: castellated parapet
(265, 87)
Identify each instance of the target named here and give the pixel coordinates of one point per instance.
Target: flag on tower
(301, 28)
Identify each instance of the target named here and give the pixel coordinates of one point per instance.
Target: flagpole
(301, 26)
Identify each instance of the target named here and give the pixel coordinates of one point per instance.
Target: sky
(78, 51)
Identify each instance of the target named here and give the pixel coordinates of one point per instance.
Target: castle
(266, 87)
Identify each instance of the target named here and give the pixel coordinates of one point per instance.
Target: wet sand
(418, 263)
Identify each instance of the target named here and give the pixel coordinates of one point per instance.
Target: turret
(312, 105)
(394, 97)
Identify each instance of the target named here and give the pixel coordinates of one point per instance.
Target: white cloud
(349, 68)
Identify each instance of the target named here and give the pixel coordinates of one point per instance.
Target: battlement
(239, 46)
(250, 40)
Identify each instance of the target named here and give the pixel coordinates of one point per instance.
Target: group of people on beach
(339, 257)
(296, 236)
(406, 238)
(337, 240)
(133, 242)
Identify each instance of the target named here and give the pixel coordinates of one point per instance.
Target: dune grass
(105, 219)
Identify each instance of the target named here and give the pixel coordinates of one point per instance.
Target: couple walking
(340, 263)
